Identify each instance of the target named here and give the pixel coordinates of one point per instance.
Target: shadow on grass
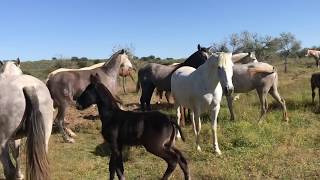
(294, 105)
(104, 150)
(91, 117)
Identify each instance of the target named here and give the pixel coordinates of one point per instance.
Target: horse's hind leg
(313, 93)
(15, 148)
(263, 102)
(8, 167)
(197, 128)
(182, 163)
(146, 94)
(60, 120)
(275, 94)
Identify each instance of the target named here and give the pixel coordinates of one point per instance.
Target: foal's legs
(275, 94)
(182, 163)
(214, 117)
(167, 95)
(146, 94)
(8, 166)
(230, 106)
(116, 162)
(167, 154)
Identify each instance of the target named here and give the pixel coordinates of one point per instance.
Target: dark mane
(113, 99)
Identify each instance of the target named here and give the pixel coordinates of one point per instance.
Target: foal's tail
(177, 127)
(37, 162)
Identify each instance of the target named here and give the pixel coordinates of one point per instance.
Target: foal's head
(224, 64)
(96, 93)
(10, 68)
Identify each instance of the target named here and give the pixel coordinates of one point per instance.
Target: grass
(271, 150)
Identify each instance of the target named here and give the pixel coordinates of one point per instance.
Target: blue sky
(41, 29)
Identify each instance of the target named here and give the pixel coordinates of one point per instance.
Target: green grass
(271, 150)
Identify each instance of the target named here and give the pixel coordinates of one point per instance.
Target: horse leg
(8, 167)
(60, 121)
(116, 163)
(183, 116)
(167, 95)
(178, 120)
(149, 96)
(197, 128)
(123, 85)
(112, 166)
(230, 106)
(15, 147)
(313, 93)
(214, 124)
(182, 163)
(262, 98)
(275, 94)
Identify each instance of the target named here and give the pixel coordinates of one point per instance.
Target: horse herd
(198, 84)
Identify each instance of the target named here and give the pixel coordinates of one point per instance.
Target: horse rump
(37, 161)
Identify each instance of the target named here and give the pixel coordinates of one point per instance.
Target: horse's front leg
(214, 124)
(178, 120)
(197, 128)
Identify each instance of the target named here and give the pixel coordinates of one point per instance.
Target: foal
(153, 130)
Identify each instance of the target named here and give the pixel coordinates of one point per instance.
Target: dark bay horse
(153, 130)
(66, 86)
(315, 83)
(26, 110)
(158, 76)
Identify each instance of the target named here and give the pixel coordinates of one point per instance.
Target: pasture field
(271, 150)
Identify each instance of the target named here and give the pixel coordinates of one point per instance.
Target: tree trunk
(286, 65)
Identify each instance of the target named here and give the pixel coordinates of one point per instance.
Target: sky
(42, 29)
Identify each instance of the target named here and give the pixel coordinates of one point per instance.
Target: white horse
(26, 110)
(200, 90)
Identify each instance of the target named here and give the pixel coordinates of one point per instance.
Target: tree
(288, 46)
(234, 41)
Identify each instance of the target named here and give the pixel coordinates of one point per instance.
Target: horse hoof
(68, 140)
(218, 152)
(19, 176)
(178, 136)
(70, 132)
(199, 148)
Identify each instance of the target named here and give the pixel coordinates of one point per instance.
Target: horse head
(224, 64)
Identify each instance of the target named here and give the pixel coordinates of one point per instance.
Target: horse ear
(122, 51)
(93, 79)
(1, 63)
(199, 47)
(98, 77)
(18, 61)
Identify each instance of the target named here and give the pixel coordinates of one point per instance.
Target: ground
(271, 150)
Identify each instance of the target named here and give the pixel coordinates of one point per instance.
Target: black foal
(153, 130)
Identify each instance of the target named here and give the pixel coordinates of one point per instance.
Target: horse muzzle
(228, 90)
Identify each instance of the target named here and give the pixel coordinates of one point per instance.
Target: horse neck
(195, 60)
(209, 73)
(105, 107)
(113, 66)
(239, 57)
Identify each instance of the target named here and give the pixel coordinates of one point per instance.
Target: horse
(315, 54)
(315, 83)
(26, 110)
(201, 90)
(158, 76)
(68, 85)
(126, 69)
(153, 130)
(260, 76)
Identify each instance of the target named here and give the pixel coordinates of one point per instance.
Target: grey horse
(259, 76)
(158, 76)
(66, 86)
(26, 110)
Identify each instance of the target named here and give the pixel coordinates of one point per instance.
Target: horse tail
(177, 127)
(37, 161)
